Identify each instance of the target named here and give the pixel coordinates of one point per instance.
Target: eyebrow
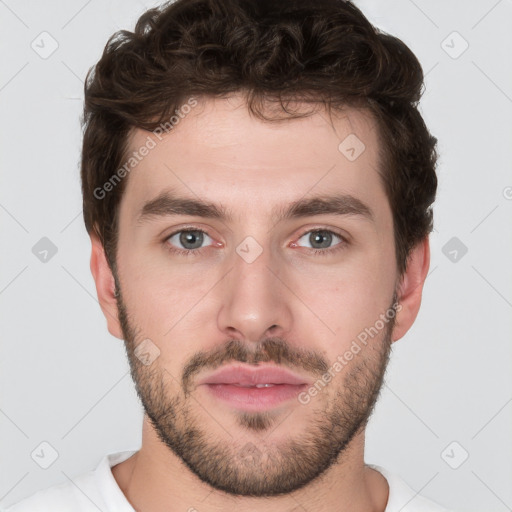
(168, 204)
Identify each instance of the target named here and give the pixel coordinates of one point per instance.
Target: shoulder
(57, 498)
(89, 492)
(403, 498)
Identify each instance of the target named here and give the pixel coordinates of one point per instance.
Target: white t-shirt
(98, 490)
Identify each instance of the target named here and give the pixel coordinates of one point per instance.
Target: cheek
(164, 300)
(178, 300)
(349, 297)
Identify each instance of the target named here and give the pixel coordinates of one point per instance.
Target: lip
(235, 385)
(245, 375)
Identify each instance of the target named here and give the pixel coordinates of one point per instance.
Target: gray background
(65, 380)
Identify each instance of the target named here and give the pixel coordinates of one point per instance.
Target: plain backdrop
(444, 418)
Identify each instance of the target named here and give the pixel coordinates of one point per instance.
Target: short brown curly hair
(318, 51)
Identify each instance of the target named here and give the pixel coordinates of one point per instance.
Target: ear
(105, 287)
(411, 287)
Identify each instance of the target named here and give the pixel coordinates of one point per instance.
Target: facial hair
(258, 468)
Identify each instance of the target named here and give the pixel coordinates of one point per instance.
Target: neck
(155, 480)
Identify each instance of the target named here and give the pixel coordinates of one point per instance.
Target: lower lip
(255, 399)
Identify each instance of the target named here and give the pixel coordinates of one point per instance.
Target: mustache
(273, 349)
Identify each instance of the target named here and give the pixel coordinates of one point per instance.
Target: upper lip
(245, 375)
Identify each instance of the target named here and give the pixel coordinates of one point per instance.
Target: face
(265, 275)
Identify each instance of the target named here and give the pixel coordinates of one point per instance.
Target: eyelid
(187, 230)
(181, 229)
(345, 239)
(176, 230)
(342, 234)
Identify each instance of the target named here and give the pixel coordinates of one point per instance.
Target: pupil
(317, 237)
(191, 237)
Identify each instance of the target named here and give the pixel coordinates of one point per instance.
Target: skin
(190, 305)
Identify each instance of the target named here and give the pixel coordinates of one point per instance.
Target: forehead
(220, 153)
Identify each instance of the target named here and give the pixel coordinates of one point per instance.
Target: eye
(320, 241)
(190, 241)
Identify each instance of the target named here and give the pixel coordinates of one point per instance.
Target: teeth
(256, 385)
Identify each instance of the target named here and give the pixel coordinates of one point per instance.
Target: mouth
(252, 388)
(256, 386)
(255, 398)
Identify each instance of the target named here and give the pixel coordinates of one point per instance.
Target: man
(257, 185)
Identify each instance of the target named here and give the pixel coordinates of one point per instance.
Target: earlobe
(411, 287)
(105, 286)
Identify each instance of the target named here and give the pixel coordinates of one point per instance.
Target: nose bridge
(253, 297)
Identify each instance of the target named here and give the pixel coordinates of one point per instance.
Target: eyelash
(196, 252)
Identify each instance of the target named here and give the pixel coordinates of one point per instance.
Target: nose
(255, 299)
